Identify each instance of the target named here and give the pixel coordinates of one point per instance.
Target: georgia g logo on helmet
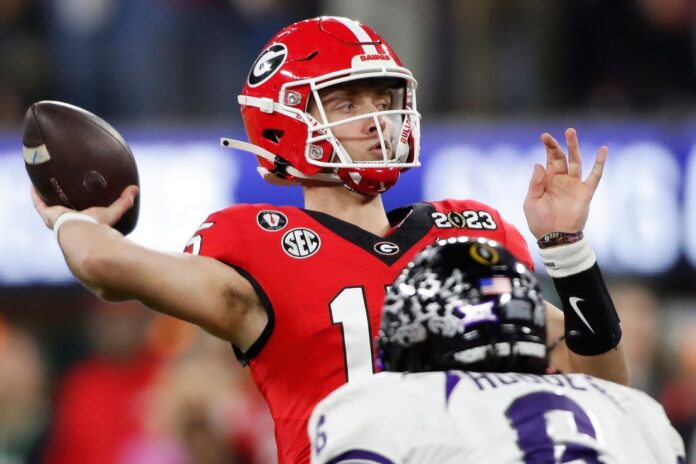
(268, 62)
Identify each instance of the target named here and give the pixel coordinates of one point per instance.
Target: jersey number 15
(349, 309)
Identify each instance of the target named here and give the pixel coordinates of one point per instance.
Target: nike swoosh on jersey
(574, 300)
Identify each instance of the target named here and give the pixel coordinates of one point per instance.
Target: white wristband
(71, 216)
(566, 260)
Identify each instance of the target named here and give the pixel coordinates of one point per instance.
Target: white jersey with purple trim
(477, 417)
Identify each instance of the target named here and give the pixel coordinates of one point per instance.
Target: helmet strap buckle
(280, 167)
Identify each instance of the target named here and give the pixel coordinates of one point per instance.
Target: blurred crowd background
(155, 60)
(82, 381)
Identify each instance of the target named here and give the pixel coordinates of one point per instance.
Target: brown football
(76, 159)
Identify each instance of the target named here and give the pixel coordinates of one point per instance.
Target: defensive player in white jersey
(464, 335)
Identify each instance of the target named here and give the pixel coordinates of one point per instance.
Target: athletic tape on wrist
(71, 216)
(566, 260)
(591, 322)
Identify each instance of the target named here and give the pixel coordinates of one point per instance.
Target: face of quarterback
(360, 138)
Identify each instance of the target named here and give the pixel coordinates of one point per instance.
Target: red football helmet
(295, 65)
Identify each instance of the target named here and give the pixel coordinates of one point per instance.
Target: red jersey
(322, 282)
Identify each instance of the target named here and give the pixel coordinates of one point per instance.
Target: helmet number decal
(266, 65)
(349, 310)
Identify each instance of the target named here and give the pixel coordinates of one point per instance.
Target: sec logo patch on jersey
(300, 243)
(271, 220)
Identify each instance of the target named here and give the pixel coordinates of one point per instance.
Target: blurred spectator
(204, 409)
(135, 59)
(495, 56)
(24, 74)
(691, 449)
(678, 395)
(97, 410)
(637, 307)
(624, 55)
(156, 390)
(159, 59)
(23, 404)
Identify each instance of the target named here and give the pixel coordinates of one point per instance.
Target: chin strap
(274, 179)
(270, 176)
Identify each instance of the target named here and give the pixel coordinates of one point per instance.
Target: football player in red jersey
(298, 292)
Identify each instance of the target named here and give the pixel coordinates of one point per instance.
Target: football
(76, 159)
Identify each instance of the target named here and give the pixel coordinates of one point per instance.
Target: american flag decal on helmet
(495, 285)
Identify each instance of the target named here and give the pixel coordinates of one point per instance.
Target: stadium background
(81, 381)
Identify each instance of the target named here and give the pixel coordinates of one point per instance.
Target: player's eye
(345, 106)
(383, 102)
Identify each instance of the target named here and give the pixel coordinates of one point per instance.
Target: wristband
(591, 322)
(71, 216)
(567, 260)
(559, 238)
(590, 319)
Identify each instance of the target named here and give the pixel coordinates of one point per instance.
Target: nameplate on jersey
(468, 219)
(300, 243)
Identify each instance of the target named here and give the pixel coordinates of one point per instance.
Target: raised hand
(104, 215)
(558, 200)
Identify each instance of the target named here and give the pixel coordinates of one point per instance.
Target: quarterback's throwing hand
(558, 200)
(104, 215)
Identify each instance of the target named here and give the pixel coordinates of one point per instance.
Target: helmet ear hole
(274, 135)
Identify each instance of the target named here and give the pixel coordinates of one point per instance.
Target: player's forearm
(117, 269)
(195, 289)
(591, 326)
(92, 252)
(611, 365)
